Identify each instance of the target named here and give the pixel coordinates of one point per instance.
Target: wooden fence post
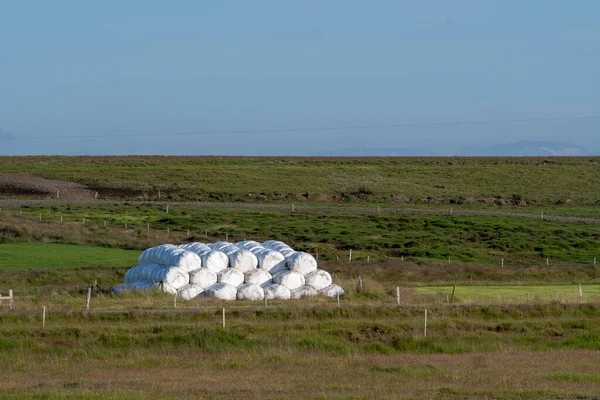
(88, 298)
(223, 318)
(397, 295)
(425, 328)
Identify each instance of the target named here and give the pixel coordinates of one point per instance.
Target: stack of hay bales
(247, 270)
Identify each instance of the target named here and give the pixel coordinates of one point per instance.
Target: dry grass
(268, 374)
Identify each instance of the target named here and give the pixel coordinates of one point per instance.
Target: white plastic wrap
(303, 291)
(250, 292)
(276, 291)
(271, 261)
(332, 291)
(243, 260)
(231, 276)
(318, 279)
(174, 276)
(221, 291)
(171, 256)
(301, 262)
(189, 291)
(257, 277)
(215, 260)
(203, 277)
(289, 279)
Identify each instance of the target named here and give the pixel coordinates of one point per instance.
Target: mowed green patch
(474, 292)
(54, 255)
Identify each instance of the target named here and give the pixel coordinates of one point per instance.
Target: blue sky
(75, 68)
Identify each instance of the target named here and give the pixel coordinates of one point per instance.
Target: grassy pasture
(519, 293)
(550, 181)
(419, 238)
(502, 352)
(56, 256)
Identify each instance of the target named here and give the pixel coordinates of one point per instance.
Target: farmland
(516, 328)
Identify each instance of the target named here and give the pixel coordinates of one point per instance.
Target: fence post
(44, 317)
(88, 298)
(425, 328)
(398, 295)
(350, 255)
(223, 318)
(293, 208)
(580, 292)
(175, 301)
(105, 223)
(11, 300)
(368, 258)
(360, 285)
(453, 290)
(338, 299)
(503, 263)
(167, 209)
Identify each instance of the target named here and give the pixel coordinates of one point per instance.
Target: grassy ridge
(420, 238)
(536, 181)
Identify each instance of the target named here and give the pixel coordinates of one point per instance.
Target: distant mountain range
(382, 152)
(517, 149)
(526, 148)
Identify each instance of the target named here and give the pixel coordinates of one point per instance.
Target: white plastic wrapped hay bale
(318, 279)
(249, 291)
(223, 291)
(271, 261)
(168, 288)
(246, 243)
(195, 247)
(203, 277)
(157, 273)
(332, 291)
(225, 247)
(215, 261)
(276, 291)
(243, 260)
(189, 291)
(301, 262)
(303, 291)
(289, 279)
(231, 276)
(171, 256)
(257, 277)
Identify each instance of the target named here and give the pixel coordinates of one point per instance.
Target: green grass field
(514, 292)
(561, 180)
(518, 331)
(60, 256)
(419, 238)
(501, 352)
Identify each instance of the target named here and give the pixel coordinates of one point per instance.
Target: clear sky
(77, 68)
